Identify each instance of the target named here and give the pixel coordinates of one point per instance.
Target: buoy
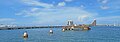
(51, 31)
(63, 30)
(25, 35)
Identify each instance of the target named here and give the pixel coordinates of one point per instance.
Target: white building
(70, 22)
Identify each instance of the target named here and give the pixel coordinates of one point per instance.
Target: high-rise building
(70, 22)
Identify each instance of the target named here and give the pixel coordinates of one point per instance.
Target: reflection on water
(96, 34)
(25, 38)
(50, 34)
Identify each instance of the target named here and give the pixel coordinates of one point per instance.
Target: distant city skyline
(58, 12)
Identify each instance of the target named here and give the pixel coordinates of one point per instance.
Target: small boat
(25, 35)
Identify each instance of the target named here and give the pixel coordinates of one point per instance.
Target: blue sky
(57, 12)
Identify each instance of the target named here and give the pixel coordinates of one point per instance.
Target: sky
(58, 12)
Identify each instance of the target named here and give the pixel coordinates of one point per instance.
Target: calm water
(96, 34)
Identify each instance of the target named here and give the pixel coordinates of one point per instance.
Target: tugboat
(25, 35)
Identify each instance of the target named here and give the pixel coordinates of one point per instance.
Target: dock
(28, 27)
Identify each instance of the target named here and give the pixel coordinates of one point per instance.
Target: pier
(28, 27)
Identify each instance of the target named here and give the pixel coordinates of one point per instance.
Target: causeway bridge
(28, 27)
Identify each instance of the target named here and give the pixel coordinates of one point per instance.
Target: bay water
(96, 34)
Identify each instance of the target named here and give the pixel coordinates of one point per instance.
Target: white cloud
(68, 0)
(6, 19)
(81, 18)
(103, 4)
(114, 4)
(82, 6)
(58, 15)
(103, 1)
(104, 7)
(37, 3)
(61, 4)
(108, 20)
(34, 9)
